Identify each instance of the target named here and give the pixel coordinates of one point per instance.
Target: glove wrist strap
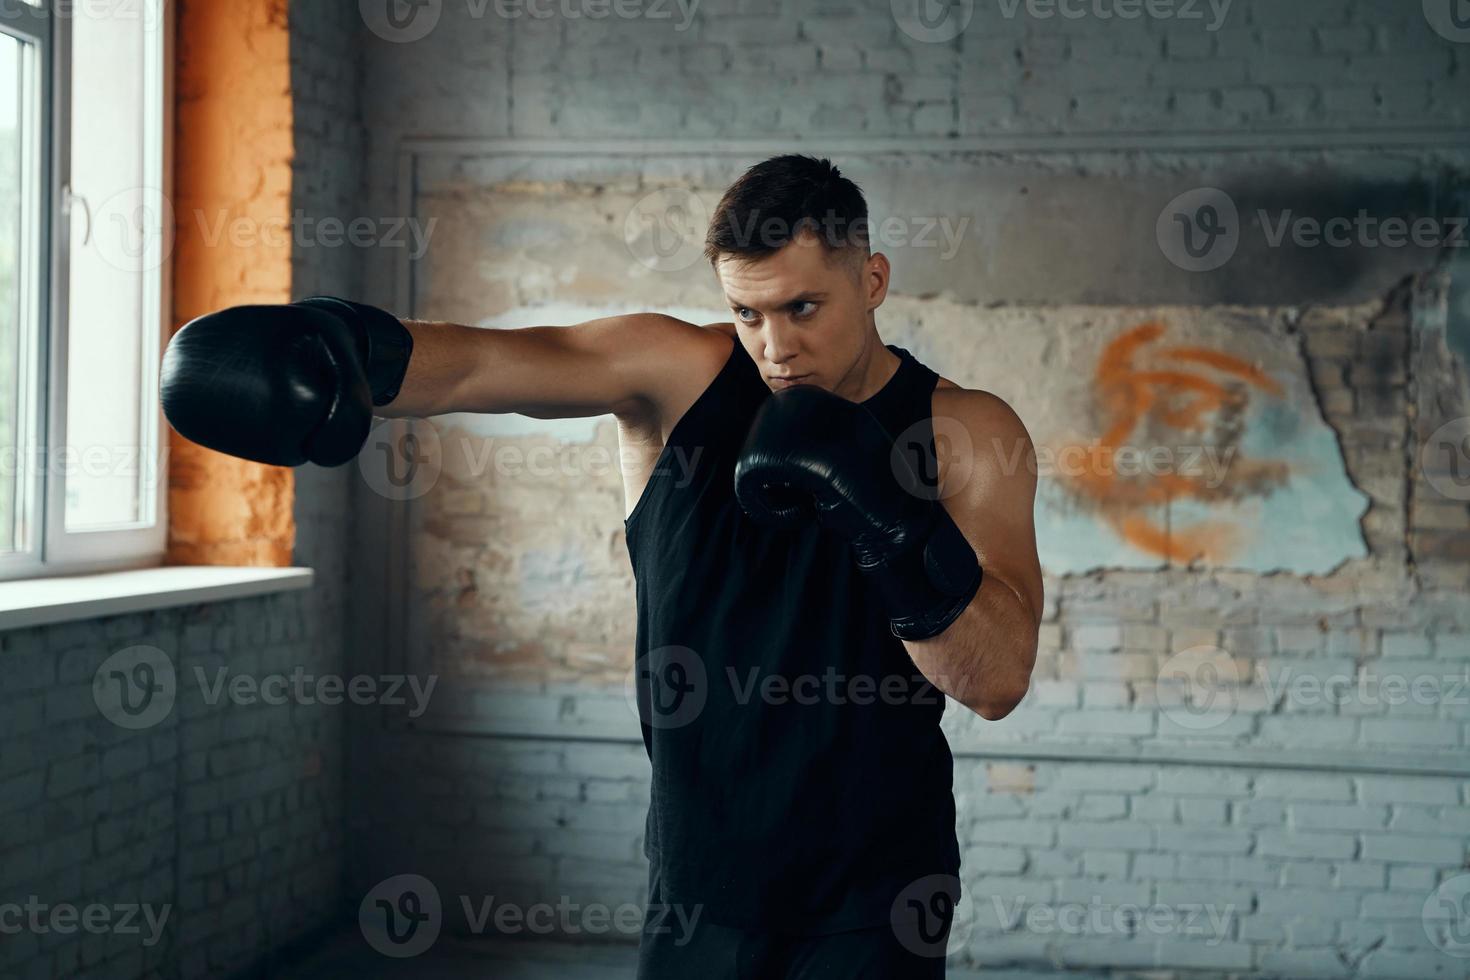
(926, 587)
(384, 344)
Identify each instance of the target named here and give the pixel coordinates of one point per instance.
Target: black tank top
(800, 777)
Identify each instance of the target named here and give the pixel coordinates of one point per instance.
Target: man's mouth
(788, 380)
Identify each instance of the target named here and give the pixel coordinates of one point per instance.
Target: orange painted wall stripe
(233, 149)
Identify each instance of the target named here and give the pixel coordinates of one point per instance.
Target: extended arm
(599, 367)
(297, 383)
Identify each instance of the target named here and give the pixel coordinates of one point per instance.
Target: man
(801, 592)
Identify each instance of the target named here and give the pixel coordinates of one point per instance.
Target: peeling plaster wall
(1325, 827)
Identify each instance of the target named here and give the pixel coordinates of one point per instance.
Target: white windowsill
(43, 601)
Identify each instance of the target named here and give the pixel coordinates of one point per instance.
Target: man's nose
(780, 344)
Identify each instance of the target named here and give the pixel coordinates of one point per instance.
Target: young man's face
(802, 313)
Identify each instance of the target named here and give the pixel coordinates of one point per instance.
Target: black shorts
(678, 945)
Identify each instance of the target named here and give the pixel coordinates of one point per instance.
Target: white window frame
(48, 548)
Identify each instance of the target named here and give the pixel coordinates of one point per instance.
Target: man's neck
(874, 371)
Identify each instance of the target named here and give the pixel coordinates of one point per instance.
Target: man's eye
(744, 314)
(804, 308)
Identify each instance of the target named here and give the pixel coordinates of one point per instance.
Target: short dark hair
(777, 199)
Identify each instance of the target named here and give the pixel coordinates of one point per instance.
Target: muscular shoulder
(676, 345)
(679, 360)
(981, 412)
(986, 443)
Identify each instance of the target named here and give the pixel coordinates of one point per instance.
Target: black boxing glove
(284, 385)
(811, 454)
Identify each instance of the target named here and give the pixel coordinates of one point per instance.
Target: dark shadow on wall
(1295, 234)
(1325, 238)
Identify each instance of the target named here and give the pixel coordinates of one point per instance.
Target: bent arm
(599, 367)
(985, 658)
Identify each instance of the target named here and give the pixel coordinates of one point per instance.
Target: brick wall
(850, 68)
(1276, 873)
(224, 817)
(1315, 64)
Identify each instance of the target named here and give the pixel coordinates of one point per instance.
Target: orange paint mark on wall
(1180, 399)
(233, 149)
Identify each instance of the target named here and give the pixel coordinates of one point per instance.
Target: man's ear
(876, 273)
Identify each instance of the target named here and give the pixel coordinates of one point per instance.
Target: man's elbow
(1000, 698)
(994, 707)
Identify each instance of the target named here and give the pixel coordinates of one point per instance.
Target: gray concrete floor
(350, 957)
(347, 956)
